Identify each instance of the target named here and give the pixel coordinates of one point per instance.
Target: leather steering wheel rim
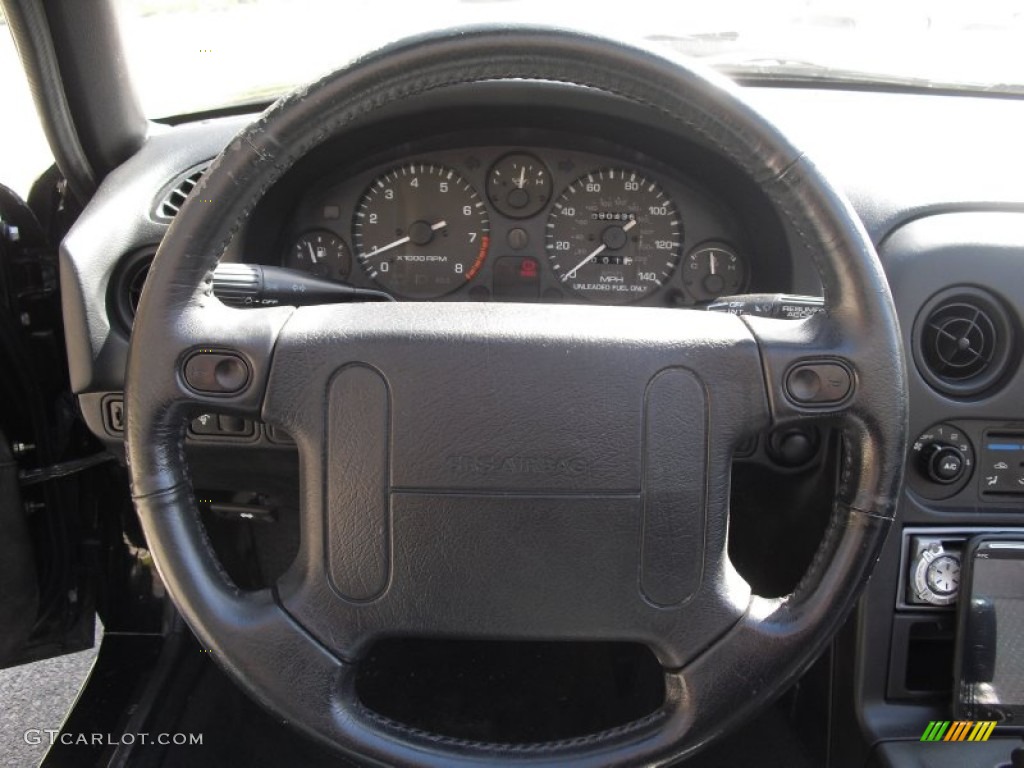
(283, 660)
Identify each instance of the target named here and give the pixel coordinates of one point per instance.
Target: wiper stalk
(254, 285)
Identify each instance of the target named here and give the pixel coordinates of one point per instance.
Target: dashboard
(544, 208)
(522, 223)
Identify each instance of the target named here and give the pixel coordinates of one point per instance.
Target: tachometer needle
(403, 240)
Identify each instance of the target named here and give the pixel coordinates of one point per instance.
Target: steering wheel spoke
(826, 369)
(210, 357)
(809, 367)
(226, 354)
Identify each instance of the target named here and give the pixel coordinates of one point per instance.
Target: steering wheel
(608, 522)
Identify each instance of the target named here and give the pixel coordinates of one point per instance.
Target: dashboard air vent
(134, 285)
(174, 197)
(963, 342)
(126, 287)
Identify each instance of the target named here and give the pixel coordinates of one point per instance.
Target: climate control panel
(972, 463)
(1002, 465)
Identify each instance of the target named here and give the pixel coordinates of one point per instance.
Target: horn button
(517, 485)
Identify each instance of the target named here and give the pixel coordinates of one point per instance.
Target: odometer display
(421, 231)
(613, 236)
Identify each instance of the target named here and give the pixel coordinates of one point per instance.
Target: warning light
(516, 278)
(528, 268)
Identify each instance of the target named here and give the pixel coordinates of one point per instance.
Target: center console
(964, 479)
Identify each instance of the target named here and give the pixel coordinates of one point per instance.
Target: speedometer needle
(595, 253)
(592, 255)
(403, 240)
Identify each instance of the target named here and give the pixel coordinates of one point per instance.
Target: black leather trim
(627, 729)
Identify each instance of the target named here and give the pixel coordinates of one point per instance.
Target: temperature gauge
(322, 253)
(519, 185)
(714, 270)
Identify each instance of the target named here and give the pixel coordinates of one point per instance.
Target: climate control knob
(942, 463)
(942, 460)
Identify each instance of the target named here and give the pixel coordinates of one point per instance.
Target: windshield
(194, 55)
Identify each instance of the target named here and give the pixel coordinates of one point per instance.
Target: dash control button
(218, 373)
(945, 464)
(818, 383)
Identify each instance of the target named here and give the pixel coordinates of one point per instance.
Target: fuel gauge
(713, 270)
(519, 185)
(322, 253)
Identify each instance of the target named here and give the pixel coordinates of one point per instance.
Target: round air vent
(963, 341)
(134, 286)
(126, 288)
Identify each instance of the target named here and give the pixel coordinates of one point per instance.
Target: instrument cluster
(516, 223)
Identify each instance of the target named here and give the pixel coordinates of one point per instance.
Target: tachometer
(613, 236)
(421, 231)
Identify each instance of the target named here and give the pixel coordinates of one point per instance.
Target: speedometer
(613, 236)
(421, 231)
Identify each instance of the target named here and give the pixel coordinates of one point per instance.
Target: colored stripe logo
(958, 730)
